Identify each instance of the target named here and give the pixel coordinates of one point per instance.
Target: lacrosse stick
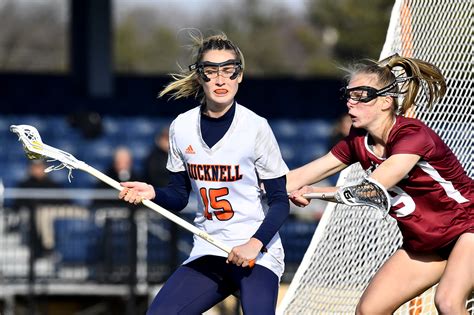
(36, 149)
(366, 193)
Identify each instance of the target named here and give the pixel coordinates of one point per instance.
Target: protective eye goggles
(210, 70)
(365, 94)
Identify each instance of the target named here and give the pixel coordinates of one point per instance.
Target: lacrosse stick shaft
(367, 192)
(322, 196)
(35, 148)
(153, 206)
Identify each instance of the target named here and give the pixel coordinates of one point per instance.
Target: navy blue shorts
(199, 285)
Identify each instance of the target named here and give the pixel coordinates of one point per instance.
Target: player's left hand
(244, 255)
(297, 196)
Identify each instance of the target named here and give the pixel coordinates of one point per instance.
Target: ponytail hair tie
(386, 61)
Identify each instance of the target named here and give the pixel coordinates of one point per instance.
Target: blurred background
(86, 74)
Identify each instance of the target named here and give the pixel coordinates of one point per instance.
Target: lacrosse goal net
(349, 246)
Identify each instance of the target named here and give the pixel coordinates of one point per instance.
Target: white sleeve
(175, 162)
(269, 162)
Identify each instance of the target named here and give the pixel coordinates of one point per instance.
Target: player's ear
(240, 77)
(387, 102)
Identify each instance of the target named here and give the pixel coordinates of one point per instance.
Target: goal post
(349, 246)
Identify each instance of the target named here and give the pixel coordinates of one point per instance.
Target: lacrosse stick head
(36, 149)
(30, 139)
(369, 193)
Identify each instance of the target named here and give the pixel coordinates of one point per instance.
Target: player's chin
(357, 123)
(223, 99)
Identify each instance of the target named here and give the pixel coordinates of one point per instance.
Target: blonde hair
(186, 83)
(415, 71)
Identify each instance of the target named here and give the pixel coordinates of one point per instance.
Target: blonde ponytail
(418, 71)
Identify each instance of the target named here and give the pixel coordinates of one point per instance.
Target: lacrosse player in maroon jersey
(431, 194)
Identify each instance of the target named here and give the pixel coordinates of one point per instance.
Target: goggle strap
(384, 91)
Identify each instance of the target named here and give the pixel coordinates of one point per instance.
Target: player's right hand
(135, 192)
(244, 255)
(297, 196)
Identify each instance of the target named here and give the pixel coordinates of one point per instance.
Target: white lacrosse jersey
(226, 178)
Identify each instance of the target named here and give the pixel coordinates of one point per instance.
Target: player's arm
(410, 144)
(278, 210)
(297, 196)
(174, 196)
(277, 213)
(388, 174)
(314, 172)
(394, 169)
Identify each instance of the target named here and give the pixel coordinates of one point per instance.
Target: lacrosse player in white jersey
(223, 152)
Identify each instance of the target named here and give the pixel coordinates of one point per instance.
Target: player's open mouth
(221, 91)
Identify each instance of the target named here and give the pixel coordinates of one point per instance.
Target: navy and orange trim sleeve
(278, 211)
(175, 195)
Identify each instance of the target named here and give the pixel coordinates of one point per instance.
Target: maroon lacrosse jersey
(433, 204)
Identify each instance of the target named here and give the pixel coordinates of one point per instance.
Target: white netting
(349, 246)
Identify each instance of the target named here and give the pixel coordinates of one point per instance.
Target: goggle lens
(225, 72)
(211, 70)
(363, 94)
